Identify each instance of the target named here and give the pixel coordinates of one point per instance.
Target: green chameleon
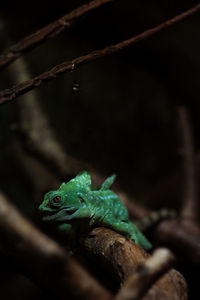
(75, 205)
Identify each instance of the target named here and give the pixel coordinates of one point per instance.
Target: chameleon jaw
(56, 215)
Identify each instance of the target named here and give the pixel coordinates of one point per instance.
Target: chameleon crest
(75, 204)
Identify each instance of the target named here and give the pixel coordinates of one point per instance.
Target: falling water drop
(75, 87)
(73, 67)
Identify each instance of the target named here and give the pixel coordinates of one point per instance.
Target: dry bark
(146, 275)
(121, 257)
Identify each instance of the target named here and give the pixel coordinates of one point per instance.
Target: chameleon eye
(56, 199)
(81, 199)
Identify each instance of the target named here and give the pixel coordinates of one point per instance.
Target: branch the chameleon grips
(146, 274)
(17, 90)
(120, 257)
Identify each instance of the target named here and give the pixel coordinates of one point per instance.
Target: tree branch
(42, 259)
(182, 240)
(190, 209)
(146, 274)
(172, 233)
(39, 137)
(17, 90)
(47, 32)
(121, 257)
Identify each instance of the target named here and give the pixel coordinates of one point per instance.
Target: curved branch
(47, 32)
(17, 90)
(42, 259)
(178, 237)
(146, 274)
(120, 257)
(39, 138)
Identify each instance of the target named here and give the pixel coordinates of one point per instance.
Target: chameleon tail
(139, 238)
(154, 218)
(142, 241)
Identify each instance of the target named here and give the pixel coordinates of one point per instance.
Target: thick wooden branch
(17, 90)
(42, 259)
(121, 257)
(146, 274)
(48, 32)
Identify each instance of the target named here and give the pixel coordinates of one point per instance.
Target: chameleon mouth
(71, 211)
(53, 215)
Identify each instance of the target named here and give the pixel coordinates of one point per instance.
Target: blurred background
(117, 114)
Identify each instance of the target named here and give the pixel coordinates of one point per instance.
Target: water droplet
(73, 67)
(75, 87)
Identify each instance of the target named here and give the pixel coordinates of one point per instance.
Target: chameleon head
(69, 202)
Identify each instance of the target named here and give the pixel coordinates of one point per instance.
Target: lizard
(76, 205)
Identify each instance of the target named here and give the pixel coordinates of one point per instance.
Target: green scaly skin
(75, 205)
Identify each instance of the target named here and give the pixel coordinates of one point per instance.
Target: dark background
(119, 113)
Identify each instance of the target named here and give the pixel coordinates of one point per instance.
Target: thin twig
(47, 32)
(17, 90)
(189, 197)
(146, 274)
(43, 260)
